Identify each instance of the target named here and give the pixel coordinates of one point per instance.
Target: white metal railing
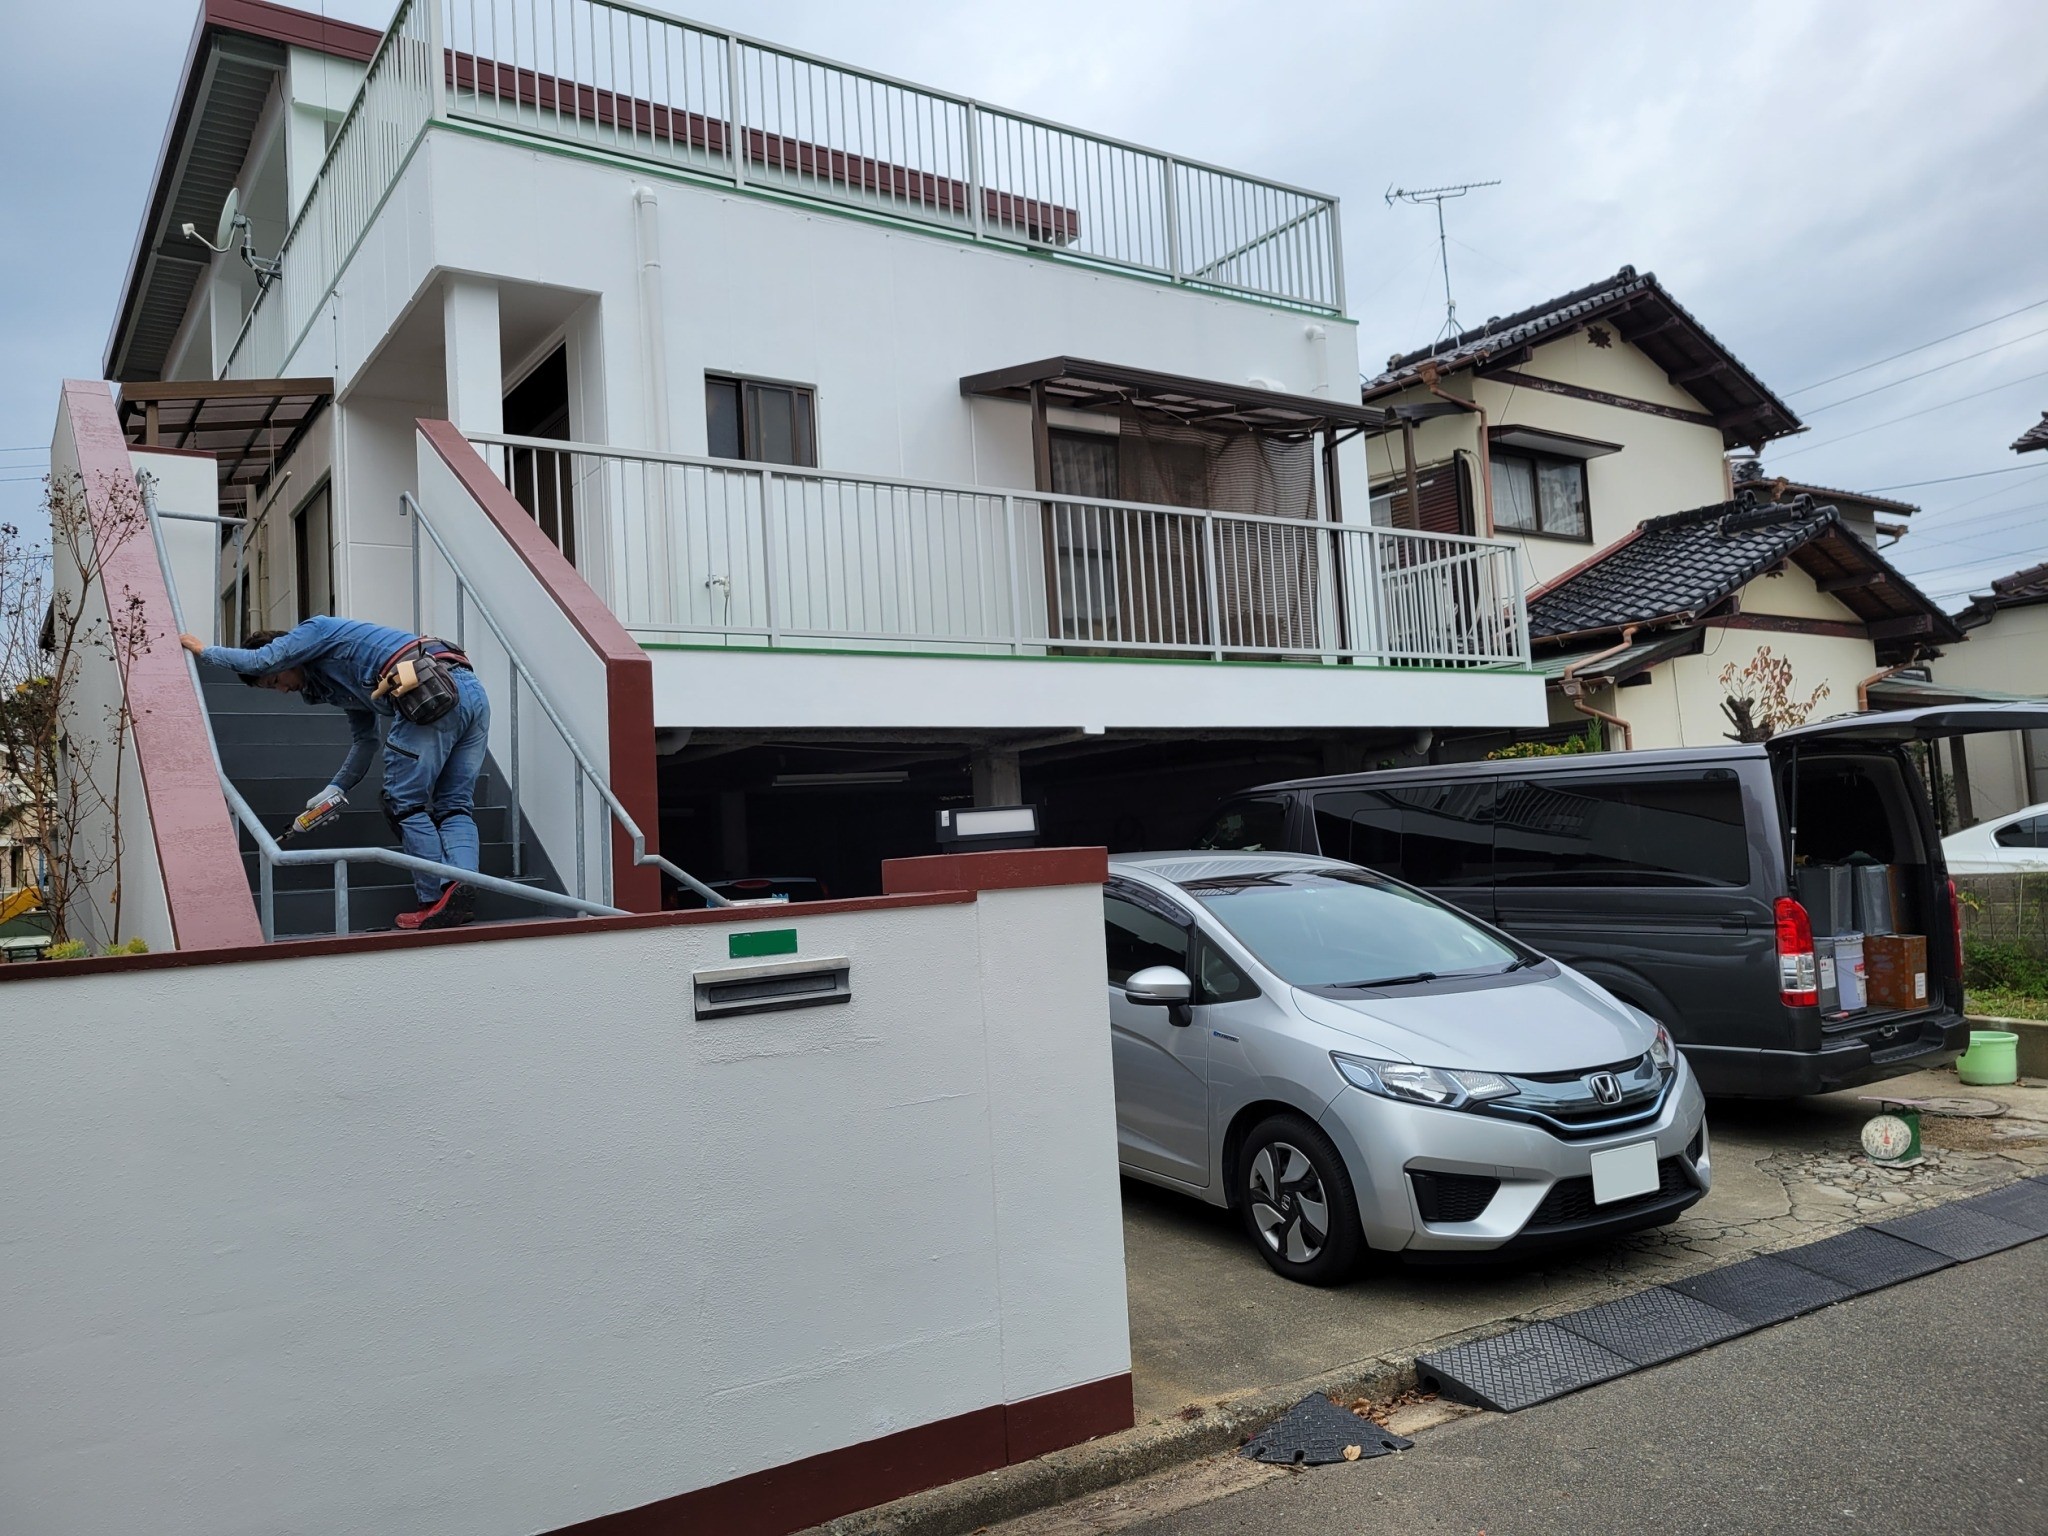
(750, 554)
(521, 685)
(631, 81)
(391, 111)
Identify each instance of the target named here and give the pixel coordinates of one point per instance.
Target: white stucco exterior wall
(496, 1236)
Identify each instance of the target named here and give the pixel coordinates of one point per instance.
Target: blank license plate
(1624, 1172)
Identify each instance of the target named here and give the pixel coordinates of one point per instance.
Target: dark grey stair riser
(494, 859)
(310, 914)
(272, 798)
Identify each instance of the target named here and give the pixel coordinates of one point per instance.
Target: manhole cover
(1972, 1109)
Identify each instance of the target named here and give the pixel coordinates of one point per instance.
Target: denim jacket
(340, 658)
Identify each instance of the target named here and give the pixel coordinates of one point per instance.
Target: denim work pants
(430, 782)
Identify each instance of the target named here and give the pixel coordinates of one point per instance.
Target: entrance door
(1162, 1068)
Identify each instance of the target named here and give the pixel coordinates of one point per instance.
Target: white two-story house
(932, 453)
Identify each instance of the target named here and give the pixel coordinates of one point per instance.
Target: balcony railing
(627, 81)
(725, 553)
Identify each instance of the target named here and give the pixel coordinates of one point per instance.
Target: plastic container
(1825, 890)
(1993, 1058)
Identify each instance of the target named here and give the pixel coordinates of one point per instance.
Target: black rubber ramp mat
(1654, 1326)
(1519, 1369)
(1865, 1259)
(1958, 1231)
(1316, 1432)
(1763, 1290)
(2024, 1204)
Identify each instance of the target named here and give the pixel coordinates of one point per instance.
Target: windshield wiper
(1392, 981)
(1522, 964)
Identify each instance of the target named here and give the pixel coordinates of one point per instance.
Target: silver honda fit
(1352, 1064)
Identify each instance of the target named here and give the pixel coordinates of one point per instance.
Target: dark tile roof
(2034, 437)
(1642, 313)
(1675, 569)
(1781, 488)
(2019, 590)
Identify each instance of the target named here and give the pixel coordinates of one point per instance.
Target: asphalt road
(1919, 1408)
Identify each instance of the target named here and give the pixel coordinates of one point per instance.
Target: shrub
(69, 949)
(2004, 966)
(1566, 748)
(135, 946)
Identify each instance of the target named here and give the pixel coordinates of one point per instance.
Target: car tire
(1294, 1195)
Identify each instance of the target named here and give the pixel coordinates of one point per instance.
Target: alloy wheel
(1289, 1208)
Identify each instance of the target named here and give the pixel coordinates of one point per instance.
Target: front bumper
(1383, 1139)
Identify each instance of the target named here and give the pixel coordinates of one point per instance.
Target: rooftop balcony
(618, 80)
(714, 552)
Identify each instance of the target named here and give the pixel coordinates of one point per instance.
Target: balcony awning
(1078, 384)
(250, 426)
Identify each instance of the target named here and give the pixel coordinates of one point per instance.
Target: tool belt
(420, 679)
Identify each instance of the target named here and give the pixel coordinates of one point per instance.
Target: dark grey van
(1669, 878)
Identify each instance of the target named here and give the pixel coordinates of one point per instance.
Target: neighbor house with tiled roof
(2034, 438)
(2007, 656)
(1565, 425)
(1639, 637)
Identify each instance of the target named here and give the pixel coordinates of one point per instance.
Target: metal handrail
(956, 488)
(269, 853)
(466, 598)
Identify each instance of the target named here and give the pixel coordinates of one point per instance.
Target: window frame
(744, 383)
(1536, 460)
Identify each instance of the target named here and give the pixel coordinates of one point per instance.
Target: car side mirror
(1162, 986)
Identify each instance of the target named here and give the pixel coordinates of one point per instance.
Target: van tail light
(1955, 918)
(1798, 971)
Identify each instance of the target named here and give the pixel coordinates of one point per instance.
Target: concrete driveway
(1209, 1319)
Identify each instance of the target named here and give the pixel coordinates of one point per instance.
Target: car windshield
(1344, 927)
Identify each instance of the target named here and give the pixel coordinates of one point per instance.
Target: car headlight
(1447, 1087)
(1662, 1051)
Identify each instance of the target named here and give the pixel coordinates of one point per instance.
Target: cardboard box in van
(1895, 970)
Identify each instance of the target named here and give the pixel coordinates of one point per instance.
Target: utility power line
(1909, 485)
(1911, 415)
(1878, 389)
(1951, 336)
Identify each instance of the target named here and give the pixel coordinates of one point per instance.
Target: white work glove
(331, 792)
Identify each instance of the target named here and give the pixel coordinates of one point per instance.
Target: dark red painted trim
(299, 29)
(203, 880)
(997, 870)
(777, 151)
(629, 675)
(778, 916)
(819, 1488)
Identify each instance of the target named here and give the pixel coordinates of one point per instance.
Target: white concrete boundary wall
(495, 1236)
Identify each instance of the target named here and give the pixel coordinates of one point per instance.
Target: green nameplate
(771, 941)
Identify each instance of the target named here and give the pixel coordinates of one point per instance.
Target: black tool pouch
(434, 695)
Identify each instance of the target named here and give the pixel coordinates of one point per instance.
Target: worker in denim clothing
(429, 770)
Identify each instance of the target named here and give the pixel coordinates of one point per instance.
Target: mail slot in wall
(773, 985)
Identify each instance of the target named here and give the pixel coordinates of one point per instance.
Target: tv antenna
(1440, 196)
(231, 219)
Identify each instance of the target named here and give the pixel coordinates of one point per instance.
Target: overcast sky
(1822, 185)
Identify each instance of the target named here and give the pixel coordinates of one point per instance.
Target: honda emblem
(1606, 1087)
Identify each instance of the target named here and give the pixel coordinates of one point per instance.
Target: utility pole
(1439, 196)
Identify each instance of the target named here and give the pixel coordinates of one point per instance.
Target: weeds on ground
(1998, 1003)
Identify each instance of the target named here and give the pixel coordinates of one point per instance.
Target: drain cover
(1865, 1259)
(1763, 1290)
(2024, 1204)
(1654, 1325)
(1516, 1370)
(1316, 1432)
(1968, 1108)
(1957, 1231)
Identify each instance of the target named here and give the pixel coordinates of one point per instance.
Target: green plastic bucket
(1993, 1058)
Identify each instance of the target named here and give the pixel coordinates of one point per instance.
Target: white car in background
(2006, 845)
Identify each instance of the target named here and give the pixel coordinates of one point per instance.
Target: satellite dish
(230, 214)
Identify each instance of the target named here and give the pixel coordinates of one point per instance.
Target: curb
(956, 1509)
